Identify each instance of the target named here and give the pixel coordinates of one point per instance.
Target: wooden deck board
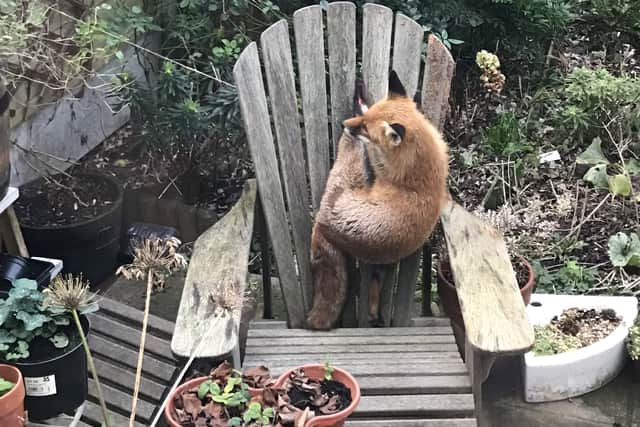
(409, 377)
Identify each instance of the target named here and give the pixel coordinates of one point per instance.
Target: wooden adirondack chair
(410, 374)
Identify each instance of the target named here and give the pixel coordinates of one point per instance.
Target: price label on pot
(40, 386)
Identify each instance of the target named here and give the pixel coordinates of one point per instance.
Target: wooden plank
(438, 73)
(451, 422)
(376, 41)
(350, 332)
(255, 115)
(126, 334)
(132, 315)
(125, 377)
(336, 340)
(278, 65)
(115, 352)
(430, 321)
(273, 359)
(121, 401)
(428, 405)
(407, 279)
(366, 274)
(390, 274)
(267, 324)
(483, 274)
(418, 384)
(93, 415)
(347, 348)
(220, 260)
(407, 47)
(431, 368)
(341, 42)
(307, 26)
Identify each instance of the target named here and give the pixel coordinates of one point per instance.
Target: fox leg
(329, 275)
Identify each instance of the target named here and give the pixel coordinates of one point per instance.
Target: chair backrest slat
(438, 73)
(407, 44)
(255, 115)
(377, 23)
(278, 67)
(307, 26)
(341, 40)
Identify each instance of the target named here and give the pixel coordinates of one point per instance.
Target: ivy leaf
(593, 154)
(597, 175)
(6, 337)
(32, 321)
(203, 390)
(619, 185)
(21, 351)
(88, 309)
(624, 250)
(60, 340)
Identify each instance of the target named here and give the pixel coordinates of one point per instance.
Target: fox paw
(318, 320)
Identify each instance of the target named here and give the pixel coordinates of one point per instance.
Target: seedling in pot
(254, 413)
(5, 386)
(228, 396)
(328, 370)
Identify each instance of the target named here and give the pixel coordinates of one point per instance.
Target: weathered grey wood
(267, 360)
(132, 316)
(430, 321)
(434, 405)
(299, 342)
(376, 42)
(414, 384)
(347, 348)
(278, 67)
(483, 274)
(220, 259)
(253, 105)
(349, 318)
(121, 401)
(351, 332)
(479, 365)
(407, 47)
(113, 351)
(438, 73)
(432, 368)
(123, 377)
(386, 293)
(307, 26)
(452, 422)
(93, 415)
(366, 274)
(341, 40)
(131, 336)
(267, 324)
(407, 279)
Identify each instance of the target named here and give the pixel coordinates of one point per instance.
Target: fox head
(396, 134)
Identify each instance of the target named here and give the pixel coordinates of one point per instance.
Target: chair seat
(411, 376)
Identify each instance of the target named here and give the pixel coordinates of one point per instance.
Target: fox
(383, 197)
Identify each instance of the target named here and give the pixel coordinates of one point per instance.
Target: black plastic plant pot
(16, 267)
(89, 248)
(635, 370)
(56, 385)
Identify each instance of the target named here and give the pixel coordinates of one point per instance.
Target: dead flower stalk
(69, 293)
(154, 260)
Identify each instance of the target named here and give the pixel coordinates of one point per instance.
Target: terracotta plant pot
(317, 371)
(170, 408)
(12, 403)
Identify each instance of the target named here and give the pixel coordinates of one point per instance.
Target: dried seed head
(70, 293)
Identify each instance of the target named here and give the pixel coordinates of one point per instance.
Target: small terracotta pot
(12, 403)
(317, 372)
(170, 409)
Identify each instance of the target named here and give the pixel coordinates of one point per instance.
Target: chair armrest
(492, 308)
(220, 257)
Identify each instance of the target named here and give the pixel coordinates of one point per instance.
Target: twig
(587, 218)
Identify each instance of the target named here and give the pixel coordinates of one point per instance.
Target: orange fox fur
(379, 220)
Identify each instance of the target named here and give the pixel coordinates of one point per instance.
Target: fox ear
(395, 85)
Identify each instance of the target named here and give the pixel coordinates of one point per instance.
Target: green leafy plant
(572, 278)
(254, 413)
(624, 250)
(328, 370)
(233, 394)
(5, 386)
(550, 340)
(633, 340)
(24, 317)
(505, 136)
(619, 181)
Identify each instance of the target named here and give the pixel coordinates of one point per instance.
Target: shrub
(505, 137)
(633, 340)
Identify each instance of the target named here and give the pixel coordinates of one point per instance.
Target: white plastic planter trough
(577, 372)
